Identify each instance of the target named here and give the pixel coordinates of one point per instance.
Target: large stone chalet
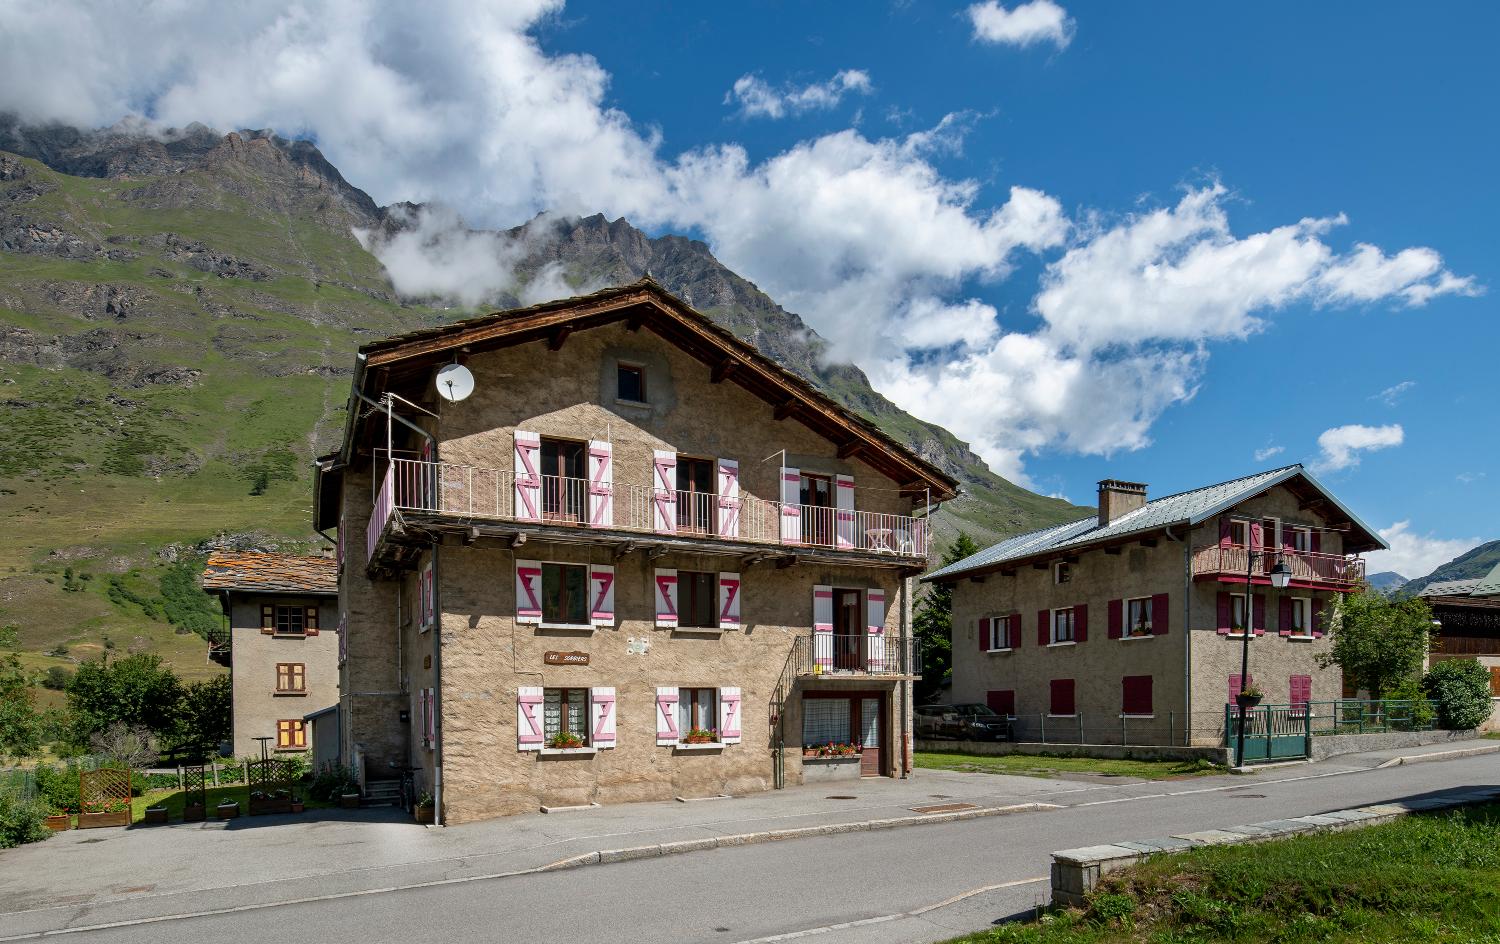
(281, 652)
(640, 561)
(1128, 625)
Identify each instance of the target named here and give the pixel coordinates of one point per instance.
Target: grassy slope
(1421, 879)
(1466, 566)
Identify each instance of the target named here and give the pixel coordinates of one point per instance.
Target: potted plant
(349, 799)
(194, 812)
(564, 741)
(701, 736)
(227, 809)
(424, 808)
(1249, 696)
(109, 812)
(155, 816)
(297, 804)
(59, 821)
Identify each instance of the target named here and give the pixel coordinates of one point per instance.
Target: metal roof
(270, 573)
(1450, 588)
(1190, 508)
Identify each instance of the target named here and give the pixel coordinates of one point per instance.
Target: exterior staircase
(381, 793)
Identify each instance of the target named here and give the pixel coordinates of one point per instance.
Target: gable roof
(1185, 508)
(1486, 586)
(270, 573)
(412, 356)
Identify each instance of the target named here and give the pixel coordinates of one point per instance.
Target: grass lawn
(1428, 878)
(173, 800)
(1030, 766)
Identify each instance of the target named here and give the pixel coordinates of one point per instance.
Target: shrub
(332, 781)
(1418, 714)
(57, 678)
(21, 820)
(1461, 688)
(57, 787)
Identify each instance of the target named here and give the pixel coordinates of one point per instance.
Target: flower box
(155, 816)
(817, 769)
(110, 818)
(279, 801)
(349, 801)
(227, 810)
(58, 822)
(424, 814)
(297, 806)
(194, 813)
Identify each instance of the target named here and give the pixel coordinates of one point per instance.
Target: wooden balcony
(1228, 564)
(417, 492)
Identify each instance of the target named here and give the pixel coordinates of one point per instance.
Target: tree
(1380, 643)
(1461, 688)
(203, 719)
(21, 726)
(933, 622)
(129, 744)
(137, 690)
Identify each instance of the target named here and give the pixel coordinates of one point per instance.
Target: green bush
(21, 820)
(1461, 688)
(1417, 714)
(57, 787)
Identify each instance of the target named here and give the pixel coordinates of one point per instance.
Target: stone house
(1127, 626)
(282, 654)
(640, 561)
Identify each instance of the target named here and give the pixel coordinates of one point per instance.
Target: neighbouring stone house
(640, 561)
(1467, 613)
(1128, 625)
(281, 651)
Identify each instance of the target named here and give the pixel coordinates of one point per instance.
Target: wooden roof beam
(559, 338)
(785, 408)
(851, 448)
(723, 369)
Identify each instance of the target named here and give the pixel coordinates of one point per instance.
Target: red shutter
(1081, 623)
(1135, 692)
(1301, 689)
(1161, 614)
(1234, 687)
(1226, 613)
(984, 634)
(1116, 619)
(1258, 620)
(1013, 630)
(1256, 532)
(1226, 533)
(1062, 697)
(1001, 702)
(1315, 541)
(1284, 617)
(1043, 629)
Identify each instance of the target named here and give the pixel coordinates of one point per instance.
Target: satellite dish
(454, 383)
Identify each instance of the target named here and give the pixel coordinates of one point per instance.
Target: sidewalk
(280, 858)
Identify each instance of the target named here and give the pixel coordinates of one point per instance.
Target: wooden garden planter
(227, 810)
(59, 822)
(424, 815)
(96, 820)
(194, 813)
(155, 816)
(349, 801)
(270, 805)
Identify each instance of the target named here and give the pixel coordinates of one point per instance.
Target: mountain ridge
(1471, 564)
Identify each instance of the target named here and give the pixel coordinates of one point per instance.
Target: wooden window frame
(683, 592)
(1306, 630)
(624, 367)
(685, 697)
(1055, 638)
(1128, 631)
(565, 694)
(291, 672)
(1062, 572)
(1004, 629)
(548, 623)
(291, 734)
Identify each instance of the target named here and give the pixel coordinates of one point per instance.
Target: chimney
(1117, 499)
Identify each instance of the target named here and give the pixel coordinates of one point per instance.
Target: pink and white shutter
(729, 716)
(843, 511)
(664, 492)
(875, 630)
(429, 718)
(666, 716)
(529, 736)
(528, 478)
(665, 593)
(602, 594)
(729, 601)
(528, 591)
(602, 722)
(601, 484)
(791, 509)
(428, 600)
(729, 498)
(823, 629)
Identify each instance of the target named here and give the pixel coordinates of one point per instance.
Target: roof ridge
(1203, 488)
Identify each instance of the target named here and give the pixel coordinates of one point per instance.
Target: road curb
(1440, 755)
(631, 853)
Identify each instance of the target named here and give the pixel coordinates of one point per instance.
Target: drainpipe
(1187, 639)
(437, 629)
(910, 647)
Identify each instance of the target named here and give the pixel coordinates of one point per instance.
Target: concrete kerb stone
(1440, 755)
(1076, 872)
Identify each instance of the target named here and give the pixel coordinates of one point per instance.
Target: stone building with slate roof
(1127, 625)
(640, 561)
(281, 649)
(1468, 616)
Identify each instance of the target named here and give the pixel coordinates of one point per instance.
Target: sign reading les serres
(566, 658)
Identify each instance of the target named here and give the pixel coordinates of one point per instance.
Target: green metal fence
(1272, 732)
(1372, 716)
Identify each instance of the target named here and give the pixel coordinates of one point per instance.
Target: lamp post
(1281, 576)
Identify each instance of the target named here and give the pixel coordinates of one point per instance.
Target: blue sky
(1145, 241)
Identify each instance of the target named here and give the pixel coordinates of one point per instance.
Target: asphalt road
(924, 883)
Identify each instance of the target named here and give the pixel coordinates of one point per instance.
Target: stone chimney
(1117, 499)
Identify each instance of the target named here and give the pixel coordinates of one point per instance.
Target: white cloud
(1390, 395)
(758, 99)
(1342, 445)
(1415, 555)
(1261, 455)
(1469, 478)
(864, 236)
(1040, 21)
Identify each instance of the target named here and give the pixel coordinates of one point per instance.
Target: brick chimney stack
(1117, 499)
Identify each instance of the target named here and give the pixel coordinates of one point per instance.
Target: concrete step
(381, 793)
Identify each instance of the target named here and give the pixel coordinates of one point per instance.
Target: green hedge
(1461, 688)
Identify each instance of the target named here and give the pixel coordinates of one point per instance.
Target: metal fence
(1372, 716)
(1162, 729)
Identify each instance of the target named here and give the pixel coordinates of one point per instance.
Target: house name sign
(565, 658)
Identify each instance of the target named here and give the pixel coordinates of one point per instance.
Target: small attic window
(1062, 572)
(630, 383)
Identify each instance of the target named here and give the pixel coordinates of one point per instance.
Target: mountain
(1466, 566)
(178, 316)
(1386, 582)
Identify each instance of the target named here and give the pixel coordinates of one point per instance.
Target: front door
(697, 502)
(871, 758)
(563, 481)
(848, 632)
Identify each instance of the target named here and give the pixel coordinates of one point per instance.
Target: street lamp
(1281, 577)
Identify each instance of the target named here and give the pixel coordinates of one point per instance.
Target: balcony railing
(479, 493)
(835, 655)
(1308, 569)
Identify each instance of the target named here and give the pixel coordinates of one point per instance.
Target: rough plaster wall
(257, 707)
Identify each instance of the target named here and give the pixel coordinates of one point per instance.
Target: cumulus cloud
(759, 99)
(1342, 445)
(1261, 455)
(1040, 21)
(880, 251)
(1416, 555)
(1392, 394)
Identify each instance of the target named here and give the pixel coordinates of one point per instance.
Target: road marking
(882, 919)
